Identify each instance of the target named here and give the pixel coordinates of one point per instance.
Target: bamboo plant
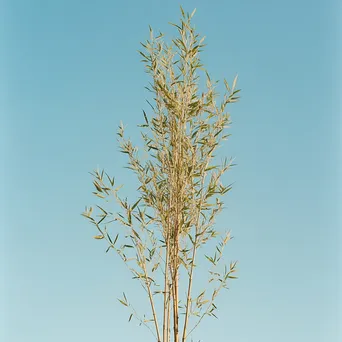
(160, 236)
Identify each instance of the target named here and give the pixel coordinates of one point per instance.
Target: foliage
(180, 187)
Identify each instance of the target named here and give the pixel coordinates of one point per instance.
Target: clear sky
(72, 72)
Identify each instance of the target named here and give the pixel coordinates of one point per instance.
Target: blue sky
(72, 73)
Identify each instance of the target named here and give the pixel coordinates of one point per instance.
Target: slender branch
(207, 310)
(142, 321)
(188, 299)
(166, 293)
(148, 286)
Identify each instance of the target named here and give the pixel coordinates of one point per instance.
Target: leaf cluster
(180, 184)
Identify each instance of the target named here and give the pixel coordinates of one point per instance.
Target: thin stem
(166, 294)
(188, 299)
(148, 286)
(207, 310)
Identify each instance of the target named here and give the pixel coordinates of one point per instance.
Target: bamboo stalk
(166, 294)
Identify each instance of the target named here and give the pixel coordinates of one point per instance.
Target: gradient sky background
(72, 73)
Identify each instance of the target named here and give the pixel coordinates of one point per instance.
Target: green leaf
(116, 238)
(210, 259)
(227, 85)
(182, 11)
(136, 234)
(97, 186)
(211, 168)
(110, 180)
(98, 195)
(136, 203)
(102, 219)
(102, 210)
(191, 239)
(145, 116)
(109, 238)
(122, 302)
